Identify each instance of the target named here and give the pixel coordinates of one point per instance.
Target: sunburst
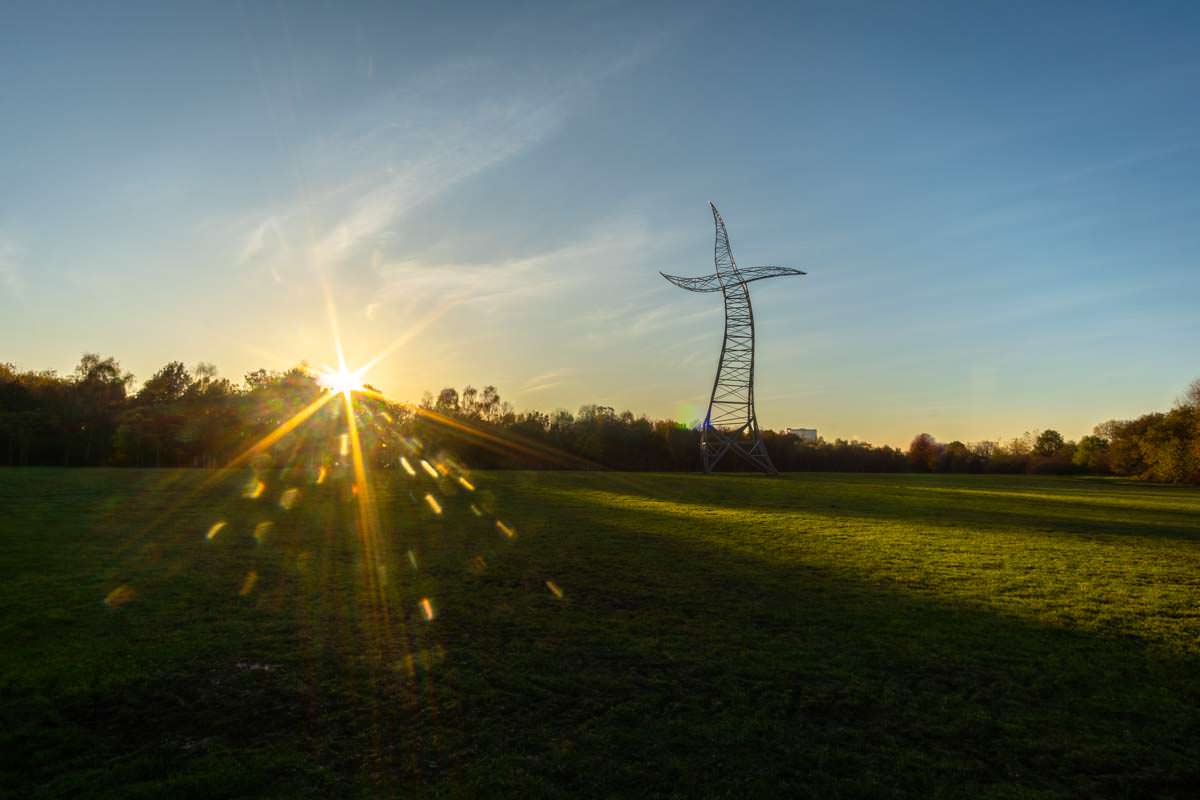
(341, 380)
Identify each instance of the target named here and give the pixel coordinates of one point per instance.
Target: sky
(995, 204)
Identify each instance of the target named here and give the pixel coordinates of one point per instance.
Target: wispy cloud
(410, 145)
(326, 228)
(627, 322)
(414, 284)
(491, 134)
(266, 244)
(546, 380)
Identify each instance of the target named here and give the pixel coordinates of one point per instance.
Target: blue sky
(995, 203)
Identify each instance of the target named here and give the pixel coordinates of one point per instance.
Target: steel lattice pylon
(730, 424)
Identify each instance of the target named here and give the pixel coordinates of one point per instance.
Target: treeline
(182, 417)
(177, 418)
(599, 436)
(1161, 447)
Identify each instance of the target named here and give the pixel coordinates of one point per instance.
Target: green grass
(817, 635)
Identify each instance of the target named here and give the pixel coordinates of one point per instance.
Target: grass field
(671, 635)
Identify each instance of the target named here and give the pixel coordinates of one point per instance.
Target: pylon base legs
(716, 445)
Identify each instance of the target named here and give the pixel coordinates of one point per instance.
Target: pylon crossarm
(708, 283)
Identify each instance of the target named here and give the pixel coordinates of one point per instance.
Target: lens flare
(119, 596)
(360, 429)
(289, 498)
(427, 609)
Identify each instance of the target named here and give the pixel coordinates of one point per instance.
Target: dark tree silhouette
(182, 417)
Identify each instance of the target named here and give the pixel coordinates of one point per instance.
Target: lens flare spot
(289, 498)
(466, 484)
(554, 589)
(424, 659)
(426, 606)
(254, 490)
(425, 465)
(432, 502)
(442, 469)
(320, 476)
(506, 530)
(216, 528)
(119, 596)
(475, 510)
(261, 530)
(412, 559)
(248, 583)
(344, 444)
(412, 473)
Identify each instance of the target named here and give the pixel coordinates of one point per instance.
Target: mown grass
(816, 635)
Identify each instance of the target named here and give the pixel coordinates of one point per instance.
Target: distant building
(803, 434)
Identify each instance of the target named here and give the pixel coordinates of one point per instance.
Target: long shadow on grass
(671, 667)
(932, 506)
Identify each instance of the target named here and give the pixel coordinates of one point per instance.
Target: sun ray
(274, 436)
(404, 338)
(284, 428)
(499, 444)
(331, 313)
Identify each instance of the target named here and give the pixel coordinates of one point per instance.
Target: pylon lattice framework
(731, 426)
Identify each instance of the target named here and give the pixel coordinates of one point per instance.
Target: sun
(341, 380)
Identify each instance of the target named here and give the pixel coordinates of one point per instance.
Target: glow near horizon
(994, 243)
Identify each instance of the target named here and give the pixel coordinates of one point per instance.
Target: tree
(468, 401)
(167, 385)
(955, 457)
(923, 453)
(1166, 447)
(984, 450)
(447, 401)
(489, 403)
(259, 378)
(1048, 444)
(90, 414)
(1091, 454)
(1125, 455)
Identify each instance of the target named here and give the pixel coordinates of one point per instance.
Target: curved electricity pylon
(730, 424)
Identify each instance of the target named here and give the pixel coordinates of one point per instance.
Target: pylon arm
(709, 283)
(758, 273)
(712, 283)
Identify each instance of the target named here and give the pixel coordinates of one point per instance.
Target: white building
(803, 434)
